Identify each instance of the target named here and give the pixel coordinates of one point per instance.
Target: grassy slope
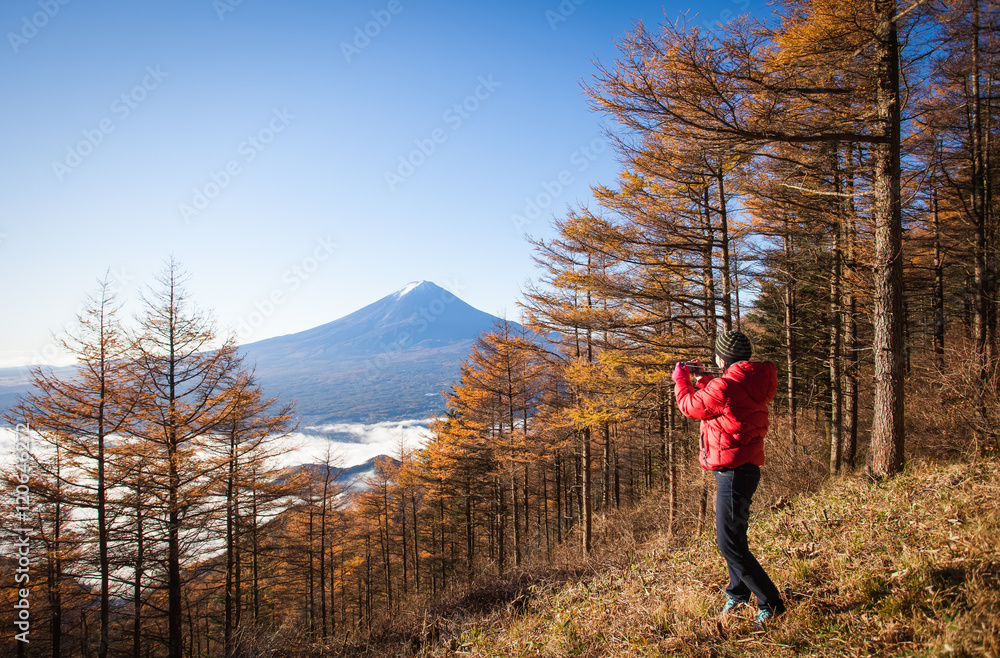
(906, 567)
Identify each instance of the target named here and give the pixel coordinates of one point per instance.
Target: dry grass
(908, 567)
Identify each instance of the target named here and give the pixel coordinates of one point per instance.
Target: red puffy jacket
(733, 411)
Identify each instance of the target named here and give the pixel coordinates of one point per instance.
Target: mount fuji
(390, 360)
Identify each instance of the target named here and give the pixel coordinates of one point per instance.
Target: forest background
(823, 181)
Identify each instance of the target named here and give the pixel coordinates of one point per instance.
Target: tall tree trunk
(727, 302)
(517, 517)
(836, 400)
(255, 550)
(55, 568)
(606, 466)
(501, 522)
(140, 547)
(545, 506)
(661, 432)
(983, 302)
(559, 498)
(468, 530)
(102, 536)
(672, 461)
(311, 600)
(888, 438)
(229, 625)
(386, 550)
(416, 544)
(791, 351)
(851, 340)
(322, 551)
(708, 274)
(938, 287)
(403, 534)
(586, 495)
(175, 611)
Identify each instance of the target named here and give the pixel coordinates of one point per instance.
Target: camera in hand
(698, 369)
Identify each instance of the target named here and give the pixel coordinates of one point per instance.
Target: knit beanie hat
(733, 346)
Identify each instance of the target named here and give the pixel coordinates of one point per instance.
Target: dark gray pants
(733, 493)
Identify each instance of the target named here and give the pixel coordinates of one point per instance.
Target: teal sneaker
(731, 604)
(764, 617)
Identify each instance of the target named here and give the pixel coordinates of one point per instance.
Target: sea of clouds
(347, 444)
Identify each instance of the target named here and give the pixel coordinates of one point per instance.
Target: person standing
(733, 412)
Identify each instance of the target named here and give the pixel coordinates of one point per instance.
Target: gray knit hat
(733, 346)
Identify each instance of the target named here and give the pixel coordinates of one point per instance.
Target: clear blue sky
(318, 154)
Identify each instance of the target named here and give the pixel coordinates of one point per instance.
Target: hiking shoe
(764, 617)
(731, 604)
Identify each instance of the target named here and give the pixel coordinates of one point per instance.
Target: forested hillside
(823, 180)
(902, 568)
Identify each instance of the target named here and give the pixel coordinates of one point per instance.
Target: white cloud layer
(349, 443)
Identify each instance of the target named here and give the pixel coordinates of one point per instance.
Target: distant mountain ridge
(390, 360)
(351, 478)
(420, 313)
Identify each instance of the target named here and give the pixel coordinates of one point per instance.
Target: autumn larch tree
(187, 375)
(80, 415)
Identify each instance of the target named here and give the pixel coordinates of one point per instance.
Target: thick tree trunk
(888, 438)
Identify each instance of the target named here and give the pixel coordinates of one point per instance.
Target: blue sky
(300, 159)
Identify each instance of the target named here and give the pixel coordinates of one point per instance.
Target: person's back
(734, 420)
(733, 408)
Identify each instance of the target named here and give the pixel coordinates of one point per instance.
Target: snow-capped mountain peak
(388, 360)
(409, 287)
